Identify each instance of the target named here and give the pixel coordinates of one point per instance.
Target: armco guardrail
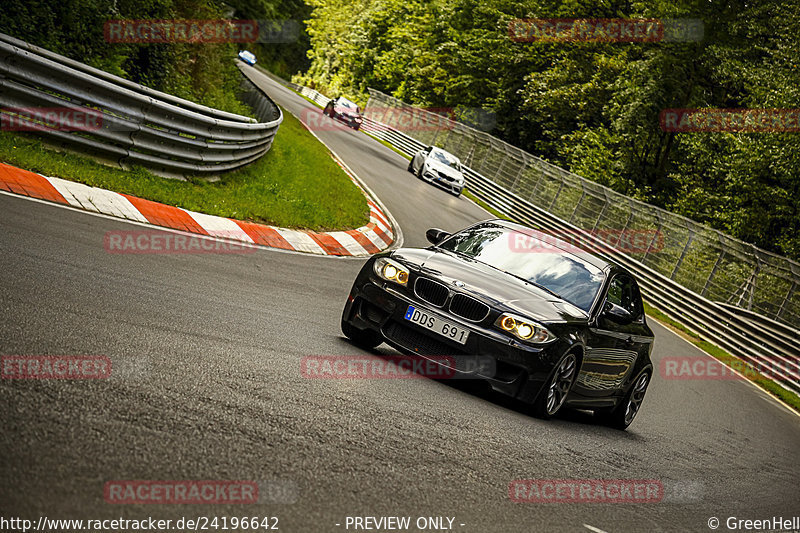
(777, 354)
(133, 125)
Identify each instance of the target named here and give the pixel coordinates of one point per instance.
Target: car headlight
(391, 271)
(524, 329)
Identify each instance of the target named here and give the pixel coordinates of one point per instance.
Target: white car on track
(247, 57)
(438, 167)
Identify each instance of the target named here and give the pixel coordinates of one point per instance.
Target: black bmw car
(343, 109)
(561, 326)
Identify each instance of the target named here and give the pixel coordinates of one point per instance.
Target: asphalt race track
(207, 386)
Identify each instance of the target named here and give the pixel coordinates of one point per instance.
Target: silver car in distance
(438, 167)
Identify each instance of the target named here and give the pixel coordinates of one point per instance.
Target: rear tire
(554, 393)
(363, 338)
(623, 414)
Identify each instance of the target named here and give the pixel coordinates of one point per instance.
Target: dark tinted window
(624, 292)
(565, 274)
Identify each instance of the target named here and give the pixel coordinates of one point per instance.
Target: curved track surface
(207, 385)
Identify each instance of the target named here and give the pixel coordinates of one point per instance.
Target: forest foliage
(202, 72)
(593, 108)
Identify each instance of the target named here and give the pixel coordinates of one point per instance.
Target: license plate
(434, 323)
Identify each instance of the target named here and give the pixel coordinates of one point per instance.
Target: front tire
(363, 338)
(623, 414)
(554, 393)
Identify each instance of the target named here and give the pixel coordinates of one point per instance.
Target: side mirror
(435, 236)
(618, 314)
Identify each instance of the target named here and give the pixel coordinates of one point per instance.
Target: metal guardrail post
(679, 262)
(788, 297)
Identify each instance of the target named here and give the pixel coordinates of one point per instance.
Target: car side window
(624, 292)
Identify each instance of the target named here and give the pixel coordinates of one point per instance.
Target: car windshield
(446, 159)
(557, 271)
(347, 103)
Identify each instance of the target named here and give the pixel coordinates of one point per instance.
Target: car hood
(492, 286)
(444, 169)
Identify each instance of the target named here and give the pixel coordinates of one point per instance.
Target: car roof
(343, 99)
(589, 257)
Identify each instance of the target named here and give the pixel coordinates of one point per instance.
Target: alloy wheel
(636, 398)
(560, 384)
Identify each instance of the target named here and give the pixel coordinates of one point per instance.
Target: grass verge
(788, 397)
(296, 184)
(484, 205)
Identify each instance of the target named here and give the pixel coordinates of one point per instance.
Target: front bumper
(353, 122)
(432, 176)
(517, 369)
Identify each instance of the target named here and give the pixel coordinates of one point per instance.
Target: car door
(613, 347)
